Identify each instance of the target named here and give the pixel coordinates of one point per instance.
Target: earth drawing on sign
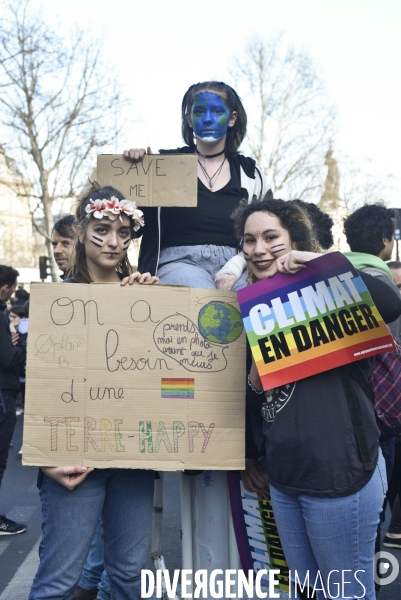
(220, 322)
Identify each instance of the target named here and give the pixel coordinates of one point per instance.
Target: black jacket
(10, 357)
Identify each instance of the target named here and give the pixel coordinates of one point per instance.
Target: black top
(155, 231)
(209, 222)
(311, 446)
(10, 357)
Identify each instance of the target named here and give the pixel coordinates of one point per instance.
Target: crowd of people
(327, 502)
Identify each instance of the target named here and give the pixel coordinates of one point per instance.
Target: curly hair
(367, 226)
(321, 221)
(79, 269)
(236, 133)
(292, 217)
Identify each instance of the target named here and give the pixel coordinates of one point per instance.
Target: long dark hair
(79, 267)
(236, 133)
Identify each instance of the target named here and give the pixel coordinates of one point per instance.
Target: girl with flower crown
(73, 498)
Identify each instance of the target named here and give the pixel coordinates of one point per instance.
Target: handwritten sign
(148, 377)
(321, 318)
(158, 180)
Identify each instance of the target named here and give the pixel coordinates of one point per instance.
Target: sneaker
(8, 527)
(20, 451)
(390, 542)
(18, 412)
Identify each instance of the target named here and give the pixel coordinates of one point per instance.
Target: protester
(12, 355)
(370, 235)
(189, 246)
(325, 503)
(63, 242)
(392, 538)
(21, 296)
(73, 498)
(395, 268)
(254, 475)
(16, 314)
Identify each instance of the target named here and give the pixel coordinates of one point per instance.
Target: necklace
(209, 155)
(215, 175)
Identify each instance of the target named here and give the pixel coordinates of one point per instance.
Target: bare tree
(293, 122)
(58, 107)
(362, 185)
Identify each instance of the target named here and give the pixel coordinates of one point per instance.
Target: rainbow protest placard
(321, 318)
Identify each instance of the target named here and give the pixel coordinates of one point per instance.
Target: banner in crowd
(321, 318)
(157, 180)
(140, 376)
(256, 532)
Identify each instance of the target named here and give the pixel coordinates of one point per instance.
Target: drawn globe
(220, 322)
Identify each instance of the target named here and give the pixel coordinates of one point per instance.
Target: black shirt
(209, 222)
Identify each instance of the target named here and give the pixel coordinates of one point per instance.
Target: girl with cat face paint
(73, 498)
(327, 498)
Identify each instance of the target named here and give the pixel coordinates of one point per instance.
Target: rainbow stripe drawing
(174, 387)
(321, 318)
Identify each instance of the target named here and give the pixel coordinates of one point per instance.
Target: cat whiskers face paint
(98, 240)
(277, 248)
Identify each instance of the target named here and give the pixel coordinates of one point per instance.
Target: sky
(158, 48)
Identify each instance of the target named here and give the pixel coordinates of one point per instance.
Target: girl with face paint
(327, 489)
(74, 498)
(191, 246)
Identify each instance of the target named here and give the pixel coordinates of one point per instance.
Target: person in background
(21, 296)
(370, 235)
(392, 538)
(16, 314)
(12, 355)
(63, 242)
(395, 268)
(9, 305)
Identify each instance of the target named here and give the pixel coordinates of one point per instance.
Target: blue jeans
(123, 497)
(195, 266)
(328, 534)
(94, 576)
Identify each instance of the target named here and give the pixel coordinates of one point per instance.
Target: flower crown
(114, 208)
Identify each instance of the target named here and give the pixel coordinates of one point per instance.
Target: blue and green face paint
(210, 117)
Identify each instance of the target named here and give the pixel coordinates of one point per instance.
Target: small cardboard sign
(149, 377)
(321, 318)
(158, 180)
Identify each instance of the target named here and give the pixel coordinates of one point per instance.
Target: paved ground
(19, 554)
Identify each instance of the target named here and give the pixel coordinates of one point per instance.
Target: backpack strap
(356, 417)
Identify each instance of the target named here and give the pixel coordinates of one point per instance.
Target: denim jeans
(94, 576)
(195, 266)
(123, 497)
(7, 424)
(328, 534)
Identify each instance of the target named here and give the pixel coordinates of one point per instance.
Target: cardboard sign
(158, 180)
(149, 377)
(321, 318)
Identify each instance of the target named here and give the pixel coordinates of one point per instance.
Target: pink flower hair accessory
(114, 208)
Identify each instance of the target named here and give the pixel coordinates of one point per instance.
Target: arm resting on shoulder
(387, 300)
